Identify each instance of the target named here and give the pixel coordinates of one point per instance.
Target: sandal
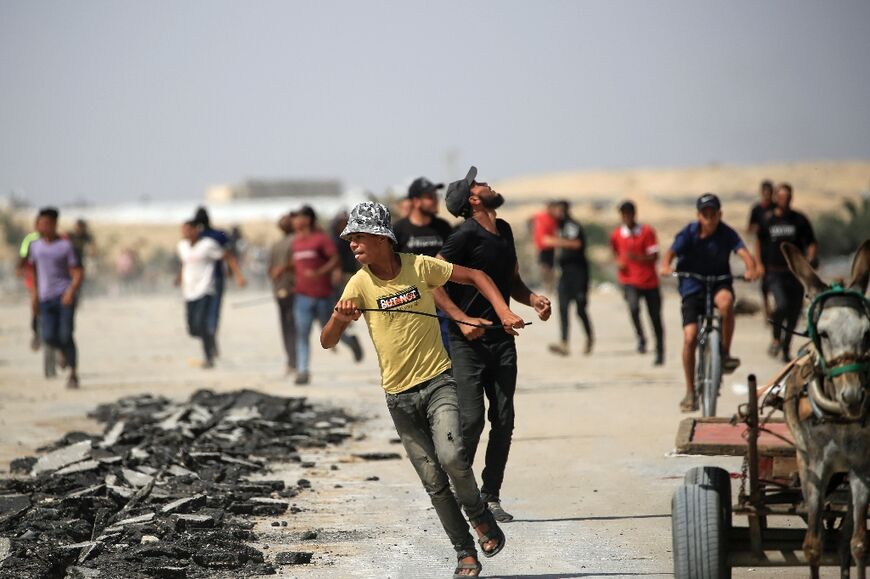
(493, 534)
(688, 404)
(460, 566)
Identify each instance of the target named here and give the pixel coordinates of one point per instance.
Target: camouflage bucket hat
(369, 217)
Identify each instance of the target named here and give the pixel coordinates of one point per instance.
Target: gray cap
(369, 217)
(457, 195)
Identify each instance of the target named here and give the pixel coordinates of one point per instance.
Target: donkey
(835, 439)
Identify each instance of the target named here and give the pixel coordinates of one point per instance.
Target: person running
(281, 274)
(203, 221)
(82, 241)
(778, 226)
(545, 225)
(422, 232)
(314, 259)
(58, 278)
(421, 394)
(636, 250)
(757, 214)
(573, 285)
(199, 255)
(484, 363)
(26, 271)
(704, 248)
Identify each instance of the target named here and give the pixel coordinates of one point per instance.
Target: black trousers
(653, 299)
(486, 369)
(788, 295)
(198, 323)
(573, 287)
(288, 328)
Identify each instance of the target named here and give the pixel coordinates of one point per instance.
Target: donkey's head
(840, 327)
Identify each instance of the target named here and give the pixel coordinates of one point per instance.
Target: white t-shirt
(197, 266)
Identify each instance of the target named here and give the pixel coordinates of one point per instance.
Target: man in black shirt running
(778, 226)
(757, 215)
(484, 363)
(573, 278)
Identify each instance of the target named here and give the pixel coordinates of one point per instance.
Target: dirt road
(589, 479)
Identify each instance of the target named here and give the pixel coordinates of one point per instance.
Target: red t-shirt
(310, 253)
(543, 225)
(641, 240)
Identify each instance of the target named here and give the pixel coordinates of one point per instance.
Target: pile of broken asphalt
(165, 492)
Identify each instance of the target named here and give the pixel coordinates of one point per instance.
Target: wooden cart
(707, 539)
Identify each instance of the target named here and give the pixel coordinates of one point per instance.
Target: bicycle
(708, 356)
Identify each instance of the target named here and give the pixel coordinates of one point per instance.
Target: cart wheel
(717, 479)
(698, 534)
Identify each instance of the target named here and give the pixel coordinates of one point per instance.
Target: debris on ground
(164, 492)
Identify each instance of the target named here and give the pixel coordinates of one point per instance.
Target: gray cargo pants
(427, 420)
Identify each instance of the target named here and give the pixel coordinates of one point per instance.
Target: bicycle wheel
(713, 373)
(700, 368)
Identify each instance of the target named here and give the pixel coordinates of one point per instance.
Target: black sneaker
(659, 359)
(641, 346)
(501, 515)
(730, 364)
(302, 378)
(356, 348)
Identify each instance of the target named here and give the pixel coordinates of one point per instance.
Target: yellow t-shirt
(409, 347)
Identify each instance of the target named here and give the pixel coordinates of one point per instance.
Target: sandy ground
(589, 480)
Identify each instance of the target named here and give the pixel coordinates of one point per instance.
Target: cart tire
(719, 480)
(698, 534)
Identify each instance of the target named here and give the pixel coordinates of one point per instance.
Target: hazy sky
(109, 100)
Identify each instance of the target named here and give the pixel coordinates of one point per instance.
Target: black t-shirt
(471, 245)
(775, 230)
(425, 240)
(758, 213)
(571, 230)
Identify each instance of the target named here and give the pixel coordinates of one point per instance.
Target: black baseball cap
(627, 207)
(708, 200)
(457, 195)
(307, 211)
(421, 186)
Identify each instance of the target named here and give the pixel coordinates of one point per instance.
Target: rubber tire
(714, 374)
(698, 535)
(719, 480)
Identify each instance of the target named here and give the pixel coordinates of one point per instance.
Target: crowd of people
(451, 368)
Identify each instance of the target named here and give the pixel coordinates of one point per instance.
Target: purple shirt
(52, 261)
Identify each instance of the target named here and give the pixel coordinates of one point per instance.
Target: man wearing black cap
(780, 225)
(484, 363)
(422, 232)
(704, 247)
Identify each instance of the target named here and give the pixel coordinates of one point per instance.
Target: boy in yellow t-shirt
(392, 289)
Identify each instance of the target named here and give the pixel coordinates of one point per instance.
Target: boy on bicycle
(704, 248)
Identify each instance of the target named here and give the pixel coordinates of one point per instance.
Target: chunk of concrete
(293, 558)
(62, 457)
(82, 466)
(186, 503)
(186, 522)
(136, 478)
(111, 437)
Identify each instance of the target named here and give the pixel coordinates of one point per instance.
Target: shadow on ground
(605, 518)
